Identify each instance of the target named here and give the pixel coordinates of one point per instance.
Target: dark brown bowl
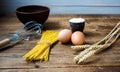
(33, 13)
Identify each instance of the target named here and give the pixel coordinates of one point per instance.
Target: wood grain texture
(61, 55)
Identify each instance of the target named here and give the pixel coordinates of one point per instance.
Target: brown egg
(78, 38)
(65, 35)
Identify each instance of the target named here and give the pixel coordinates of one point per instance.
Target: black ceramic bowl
(33, 13)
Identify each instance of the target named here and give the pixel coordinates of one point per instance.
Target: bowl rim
(47, 9)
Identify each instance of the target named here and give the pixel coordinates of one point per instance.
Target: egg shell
(65, 35)
(78, 38)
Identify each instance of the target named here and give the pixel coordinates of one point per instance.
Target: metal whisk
(30, 30)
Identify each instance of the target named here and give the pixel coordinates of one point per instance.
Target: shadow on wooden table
(8, 46)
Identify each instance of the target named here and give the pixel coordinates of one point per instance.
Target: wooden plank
(68, 6)
(62, 2)
(61, 55)
(82, 69)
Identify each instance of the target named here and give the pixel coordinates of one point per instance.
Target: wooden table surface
(61, 55)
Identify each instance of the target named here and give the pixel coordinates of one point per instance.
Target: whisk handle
(4, 42)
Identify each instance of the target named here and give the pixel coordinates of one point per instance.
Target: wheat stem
(97, 47)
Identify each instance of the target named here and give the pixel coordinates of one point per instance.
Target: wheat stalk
(97, 47)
